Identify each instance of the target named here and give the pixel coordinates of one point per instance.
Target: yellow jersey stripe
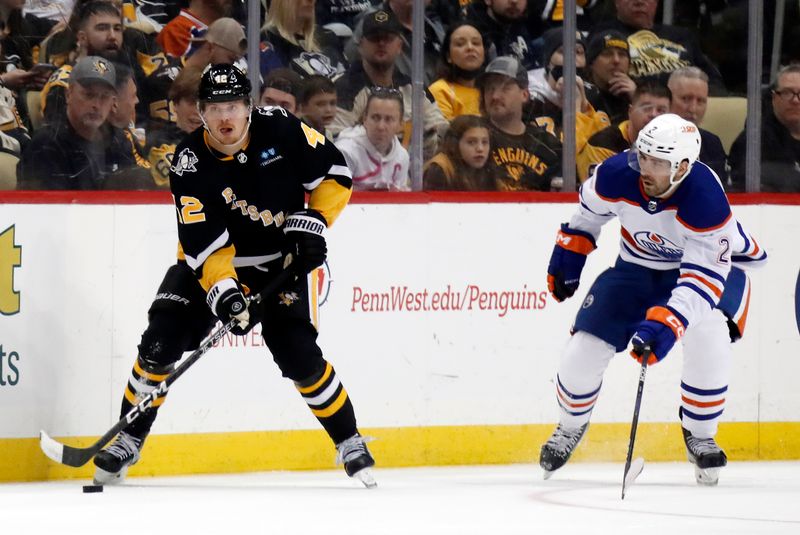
(309, 389)
(335, 406)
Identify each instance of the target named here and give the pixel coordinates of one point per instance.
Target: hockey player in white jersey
(673, 280)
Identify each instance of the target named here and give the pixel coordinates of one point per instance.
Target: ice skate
(706, 456)
(111, 464)
(559, 447)
(355, 456)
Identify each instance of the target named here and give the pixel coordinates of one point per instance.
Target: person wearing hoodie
(374, 154)
(546, 86)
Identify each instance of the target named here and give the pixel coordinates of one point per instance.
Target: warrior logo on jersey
(185, 163)
(657, 245)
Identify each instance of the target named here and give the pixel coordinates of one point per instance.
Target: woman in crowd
(292, 38)
(461, 165)
(377, 159)
(463, 58)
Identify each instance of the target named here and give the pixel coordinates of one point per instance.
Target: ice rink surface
(752, 498)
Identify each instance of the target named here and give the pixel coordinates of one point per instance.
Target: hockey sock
(329, 402)
(701, 409)
(145, 377)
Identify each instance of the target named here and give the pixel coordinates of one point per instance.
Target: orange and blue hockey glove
(662, 327)
(567, 261)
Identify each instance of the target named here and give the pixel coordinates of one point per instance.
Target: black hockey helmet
(223, 82)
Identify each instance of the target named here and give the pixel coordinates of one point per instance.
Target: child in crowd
(374, 154)
(317, 103)
(461, 164)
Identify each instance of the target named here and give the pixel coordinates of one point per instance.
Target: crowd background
(95, 94)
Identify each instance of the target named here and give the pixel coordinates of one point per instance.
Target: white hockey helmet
(672, 138)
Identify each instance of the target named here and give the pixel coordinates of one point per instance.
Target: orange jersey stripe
(702, 404)
(710, 286)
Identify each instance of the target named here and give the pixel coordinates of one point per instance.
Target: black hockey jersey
(231, 209)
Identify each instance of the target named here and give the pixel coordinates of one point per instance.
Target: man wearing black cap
(525, 156)
(608, 61)
(402, 12)
(380, 46)
(547, 91)
(239, 186)
(74, 154)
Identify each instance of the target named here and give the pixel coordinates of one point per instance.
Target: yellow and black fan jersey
(231, 209)
(601, 146)
(526, 162)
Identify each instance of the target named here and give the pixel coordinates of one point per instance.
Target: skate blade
(548, 474)
(637, 465)
(101, 477)
(366, 477)
(707, 477)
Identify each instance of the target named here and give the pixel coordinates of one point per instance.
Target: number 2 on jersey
(191, 210)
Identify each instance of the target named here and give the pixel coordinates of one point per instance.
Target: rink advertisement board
(434, 312)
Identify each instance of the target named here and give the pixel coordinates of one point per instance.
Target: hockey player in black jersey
(239, 186)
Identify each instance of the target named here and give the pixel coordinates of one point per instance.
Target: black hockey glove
(306, 243)
(227, 302)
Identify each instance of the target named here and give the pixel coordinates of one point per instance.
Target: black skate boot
(111, 464)
(706, 456)
(559, 447)
(357, 460)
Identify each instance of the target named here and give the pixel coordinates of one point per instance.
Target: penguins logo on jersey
(185, 163)
(657, 245)
(287, 298)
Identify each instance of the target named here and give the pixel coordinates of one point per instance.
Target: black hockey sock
(145, 377)
(329, 402)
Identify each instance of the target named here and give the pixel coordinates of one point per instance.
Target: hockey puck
(93, 488)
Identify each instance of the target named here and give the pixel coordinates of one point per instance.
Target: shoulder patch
(269, 111)
(313, 136)
(184, 162)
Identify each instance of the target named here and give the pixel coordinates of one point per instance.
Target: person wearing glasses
(780, 139)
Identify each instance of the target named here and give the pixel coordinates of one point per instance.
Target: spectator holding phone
(18, 37)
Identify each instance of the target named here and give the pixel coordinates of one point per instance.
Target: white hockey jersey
(693, 230)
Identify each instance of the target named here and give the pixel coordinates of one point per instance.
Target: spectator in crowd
(174, 38)
(134, 48)
(223, 42)
(504, 25)
(689, 88)
(21, 34)
(463, 57)
(292, 38)
(380, 46)
(183, 94)
(546, 14)
(75, 155)
(608, 60)
(281, 88)
(374, 155)
(524, 156)
(14, 133)
(658, 49)
(780, 139)
(547, 92)
(463, 163)
(121, 136)
(401, 11)
(649, 101)
(18, 38)
(317, 103)
(99, 34)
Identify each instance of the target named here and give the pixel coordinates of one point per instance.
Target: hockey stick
(71, 456)
(635, 467)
